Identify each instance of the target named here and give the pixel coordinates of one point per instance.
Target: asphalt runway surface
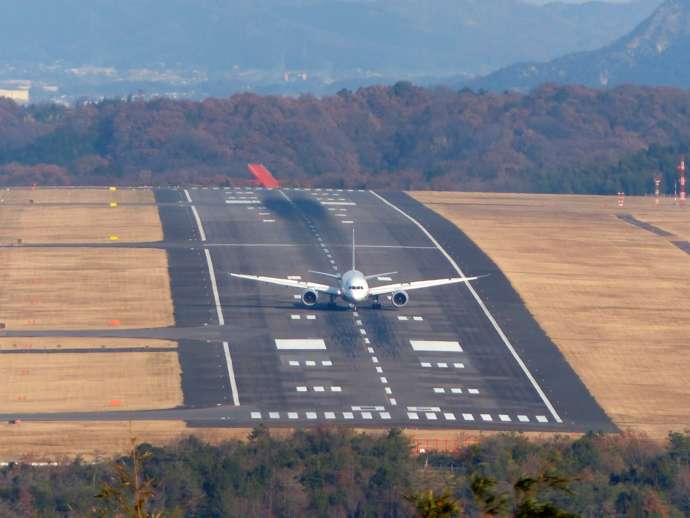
(455, 357)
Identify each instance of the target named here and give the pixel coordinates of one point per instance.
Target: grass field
(75, 342)
(613, 297)
(78, 224)
(89, 381)
(75, 196)
(84, 288)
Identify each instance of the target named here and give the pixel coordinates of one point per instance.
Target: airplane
(352, 286)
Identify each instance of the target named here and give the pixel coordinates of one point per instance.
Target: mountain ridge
(656, 52)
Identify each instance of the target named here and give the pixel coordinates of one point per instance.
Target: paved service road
(454, 357)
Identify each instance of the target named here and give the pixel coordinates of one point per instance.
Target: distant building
(20, 95)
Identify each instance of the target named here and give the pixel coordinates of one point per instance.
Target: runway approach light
(112, 188)
(114, 238)
(113, 204)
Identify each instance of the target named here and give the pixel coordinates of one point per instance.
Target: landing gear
(331, 302)
(376, 304)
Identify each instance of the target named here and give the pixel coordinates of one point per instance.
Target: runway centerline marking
(231, 374)
(484, 308)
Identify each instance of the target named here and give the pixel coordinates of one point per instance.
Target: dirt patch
(84, 288)
(75, 224)
(72, 196)
(82, 382)
(612, 296)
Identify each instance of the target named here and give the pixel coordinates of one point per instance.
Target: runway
(455, 357)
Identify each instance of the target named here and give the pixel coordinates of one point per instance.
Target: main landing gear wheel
(376, 304)
(331, 302)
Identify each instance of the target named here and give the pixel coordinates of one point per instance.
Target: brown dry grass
(613, 297)
(78, 224)
(54, 441)
(74, 342)
(84, 288)
(82, 382)
(73, 196)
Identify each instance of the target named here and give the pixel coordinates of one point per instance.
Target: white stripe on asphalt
(486, 311)
(214, 287)
(202, 234)
(231, 374)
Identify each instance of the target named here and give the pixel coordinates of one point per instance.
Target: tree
(526, 499)
(430, 505)
(131, 493)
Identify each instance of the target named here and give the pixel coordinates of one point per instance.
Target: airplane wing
(415, 285)
(301, 285)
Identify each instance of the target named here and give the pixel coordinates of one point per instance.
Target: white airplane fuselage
(354, 287)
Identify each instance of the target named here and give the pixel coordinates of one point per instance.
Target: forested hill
(554, 139)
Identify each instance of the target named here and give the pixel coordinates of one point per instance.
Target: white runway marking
(214, 287)
(486, 417)
(348, 415)
(241, 202)
(473, 391)
(295, 317)
(504, 418)
(274, 415)
(523, 418)
(350, 203)
(329, 415)
(486, 311)
(202, 234)
(468, 417)
(401, 317)
(299, 344)
(347, 222)
(542, 419)
(231, 374)
(435, 346)
(269, 221)
(449, 416)
(256, 415)
(293, 415)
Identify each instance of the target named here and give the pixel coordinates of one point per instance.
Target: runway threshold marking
(231, 374)
(486, 311)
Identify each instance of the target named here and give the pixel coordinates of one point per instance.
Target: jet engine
(309, 297)
(400, 299)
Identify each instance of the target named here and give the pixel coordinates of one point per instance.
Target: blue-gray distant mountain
(406, 37)
(657, 52)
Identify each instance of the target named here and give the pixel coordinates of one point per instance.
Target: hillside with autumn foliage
(554, 139)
